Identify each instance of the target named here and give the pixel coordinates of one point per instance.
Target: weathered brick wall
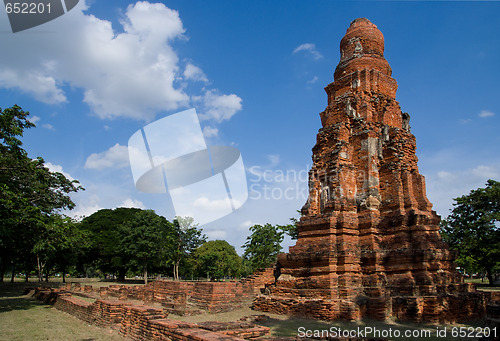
(217, 296)
(140, 322)
(210, 296)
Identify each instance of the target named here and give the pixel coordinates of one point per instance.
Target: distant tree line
(36, 237)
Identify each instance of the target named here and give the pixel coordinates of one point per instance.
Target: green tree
(262, 246)
(145, 240)
(473, 228)
(216, 259)
(105, 251)
(290, 229)
(186, 238)
(60, 245)
(29, 192)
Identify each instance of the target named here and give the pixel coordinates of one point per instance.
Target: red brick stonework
(369, 242)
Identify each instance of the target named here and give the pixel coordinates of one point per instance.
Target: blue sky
(255, 73)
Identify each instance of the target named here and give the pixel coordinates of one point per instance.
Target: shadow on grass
(12, 296)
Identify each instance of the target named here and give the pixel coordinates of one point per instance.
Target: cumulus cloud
(489, 172)
(58, 169)
(194, 73)
(219, 107)
(34, 119)
(311, 48)
(216, 234)
(204, 203)
(131, 203)
(48, 126)
(116, 156)
(486, 113)
(86, 205)
(444, 185)
(313, 80)
(128, 74)
(210, 131)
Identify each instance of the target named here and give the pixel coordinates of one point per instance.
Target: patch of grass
(483, 285)
(25, 318)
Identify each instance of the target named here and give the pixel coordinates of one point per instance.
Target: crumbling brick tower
(369, 242)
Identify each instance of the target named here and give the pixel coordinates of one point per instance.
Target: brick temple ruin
(369, 242)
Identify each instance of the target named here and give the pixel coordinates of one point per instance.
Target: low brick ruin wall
(140, 322)
(461, 306)
(176, 295)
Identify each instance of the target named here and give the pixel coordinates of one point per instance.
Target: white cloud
(129, 202)
(486, 113)
(274, 160)
(210, 131)
(58, 169)
(116, 156)
(34, 119)
(246, 224)
(35, 82)
(48, 126)
(86, 205)
(486, 172)
(206, 204)
(194, 73)
(219, 107)
(445, 185)
(313, 80)
(129, 74)
(216, 234)
(311, 48)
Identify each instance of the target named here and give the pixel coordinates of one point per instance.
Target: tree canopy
(29, 192)
(473, 229)
(216, 259)
(262, 246)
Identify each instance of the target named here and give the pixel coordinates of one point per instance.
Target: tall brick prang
(369, 242)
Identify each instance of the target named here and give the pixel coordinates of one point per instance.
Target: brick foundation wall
(140, 322)
(177, 295)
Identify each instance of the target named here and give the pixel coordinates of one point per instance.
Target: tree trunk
(13, 275)
(145, 274)
(27, 276)
(64, 275)
(489, 274)
(39, 268)
(176, 270)
(121, 274)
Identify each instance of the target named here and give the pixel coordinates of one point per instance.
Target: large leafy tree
(29, 191)
(216, 259)
(145, 240)
(105, 252)
(61, 244)
(473, 228)
(262, 246)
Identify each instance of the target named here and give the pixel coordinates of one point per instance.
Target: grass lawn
(25, 318)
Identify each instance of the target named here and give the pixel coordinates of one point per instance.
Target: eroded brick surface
(369, 242)
(142, 322)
